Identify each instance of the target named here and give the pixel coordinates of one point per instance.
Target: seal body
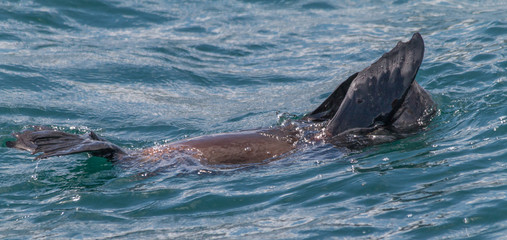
(227, 148)
(381, 103)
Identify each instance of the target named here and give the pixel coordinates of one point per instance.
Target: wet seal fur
(381, 103)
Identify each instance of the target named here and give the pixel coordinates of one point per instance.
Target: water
(142, 73)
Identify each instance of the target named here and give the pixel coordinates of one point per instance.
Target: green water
(141, 73)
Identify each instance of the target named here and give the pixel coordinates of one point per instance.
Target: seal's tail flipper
(415, 112)
(55, 143)
(328, 108)
(378, 91)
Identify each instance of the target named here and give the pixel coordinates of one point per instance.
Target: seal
(381, 103)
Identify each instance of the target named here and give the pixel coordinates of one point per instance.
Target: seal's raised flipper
(55, 143)
(415, 111)
(378, 92)
(328, 108)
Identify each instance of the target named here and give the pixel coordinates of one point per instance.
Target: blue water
(141, 73)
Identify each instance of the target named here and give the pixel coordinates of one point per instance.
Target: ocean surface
(141, 73)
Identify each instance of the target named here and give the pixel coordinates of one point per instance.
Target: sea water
(142, 73)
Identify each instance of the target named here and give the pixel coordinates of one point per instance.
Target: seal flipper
(379, 90)
(55, 143)
(328, 108)
(415, 112)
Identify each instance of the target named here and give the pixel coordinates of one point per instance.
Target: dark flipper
(378, 91)
(328, 108)
(55, 143)
(415, 111)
